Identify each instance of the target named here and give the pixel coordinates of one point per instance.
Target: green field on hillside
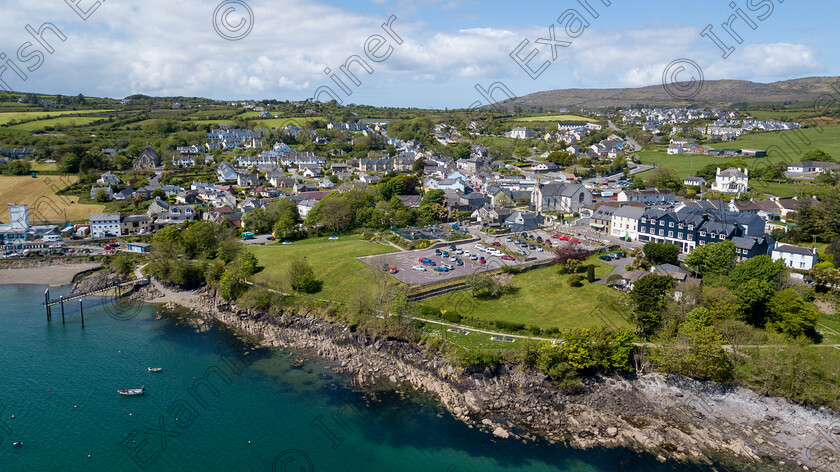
(39, 125)
(6, 117)
(334, 262)
(544, 299)
(548, 117)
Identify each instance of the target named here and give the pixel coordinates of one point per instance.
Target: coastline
(40, 273)
(665, 418)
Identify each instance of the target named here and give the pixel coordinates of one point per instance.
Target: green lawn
(469, 342)
(543, 299)
(333, 262)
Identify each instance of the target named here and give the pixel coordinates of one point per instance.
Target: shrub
(575, 280)
(509, 325)
(451, 316)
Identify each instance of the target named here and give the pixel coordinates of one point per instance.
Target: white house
(795, 257)
(731, 180)
(562, 197)
(812, 167)
(103, 225)
(625, 222)
(522, 133)
(694, 181)
(108, 179)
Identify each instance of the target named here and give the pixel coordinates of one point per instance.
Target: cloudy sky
(185, 47)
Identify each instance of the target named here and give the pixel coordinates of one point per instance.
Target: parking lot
(408, 263)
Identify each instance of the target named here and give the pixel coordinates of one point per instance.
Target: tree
(158, 193)
(716, 258)
(761, 268)
(753, 297)
(662, 253)
(648, 297)
(568, 252)
(790, 315)
(590, 273)
(664, 177)
(122, 265)
(333, 213)
(101, 196)
(433, 197)
(302, 277)
(695, 351)
(200, 239)
(575, 280)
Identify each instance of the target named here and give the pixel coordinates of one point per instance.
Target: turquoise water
(259, 413)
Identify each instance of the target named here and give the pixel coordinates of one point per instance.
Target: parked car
(540, 249)
(270, 238)
(605, 258)
(466, 253)
(437, 252)
(523, 245)
(453, 259)
(574, 241)
(393, 269)
(497, 244)
(508, 239)
(532, 247)
(517, 242)
(539, 239)
(459, 251)
(563, 238)
(482, 261)
(441, 269)
(459, 262)
(445, 253)
(555, 236)
(418, 268)
(473, 257)
(452, 247)
(508, 258)
(448, 267)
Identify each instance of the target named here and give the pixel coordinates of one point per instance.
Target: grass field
(54, 122)
(43, 203)
(333, 262)
(543, 299)
(552, 117)
(264, 123)
(30, 115)
(827, 139)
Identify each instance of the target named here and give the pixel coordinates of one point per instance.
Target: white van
(52, 238)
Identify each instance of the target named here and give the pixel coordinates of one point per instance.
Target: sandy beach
(52, 275)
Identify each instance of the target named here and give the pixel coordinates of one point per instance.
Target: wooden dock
(48, 302)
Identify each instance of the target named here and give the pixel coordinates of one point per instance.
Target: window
(702, 233)
(671, 224)
(680, 235)
(670, 234)
(681, 226)
(661, 223)
(690, 237)
(722, 236)
(661, 232)
(801, 265)
(652, 231)
(644, 220)
(690, 227)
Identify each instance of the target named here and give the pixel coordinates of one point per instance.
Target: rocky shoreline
(665, 418)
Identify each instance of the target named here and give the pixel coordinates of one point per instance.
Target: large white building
(625, 222)
(103, 225)
(731, 180)
(795, 257)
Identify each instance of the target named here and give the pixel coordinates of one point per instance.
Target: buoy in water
(17, 444)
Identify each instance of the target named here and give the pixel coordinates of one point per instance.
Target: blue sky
(447, 47)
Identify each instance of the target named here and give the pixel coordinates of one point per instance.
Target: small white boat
(132, 391)
(155, 369)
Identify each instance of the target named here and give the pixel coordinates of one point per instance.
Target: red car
(507, 258)
(574, 241)
(497, 244)
(564, 238)
(109, 247)
(555, 236)
(421, 259)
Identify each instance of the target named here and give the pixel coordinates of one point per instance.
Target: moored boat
(155, 369)
(132, 391)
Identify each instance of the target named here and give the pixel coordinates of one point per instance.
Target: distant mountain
(715, 93)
